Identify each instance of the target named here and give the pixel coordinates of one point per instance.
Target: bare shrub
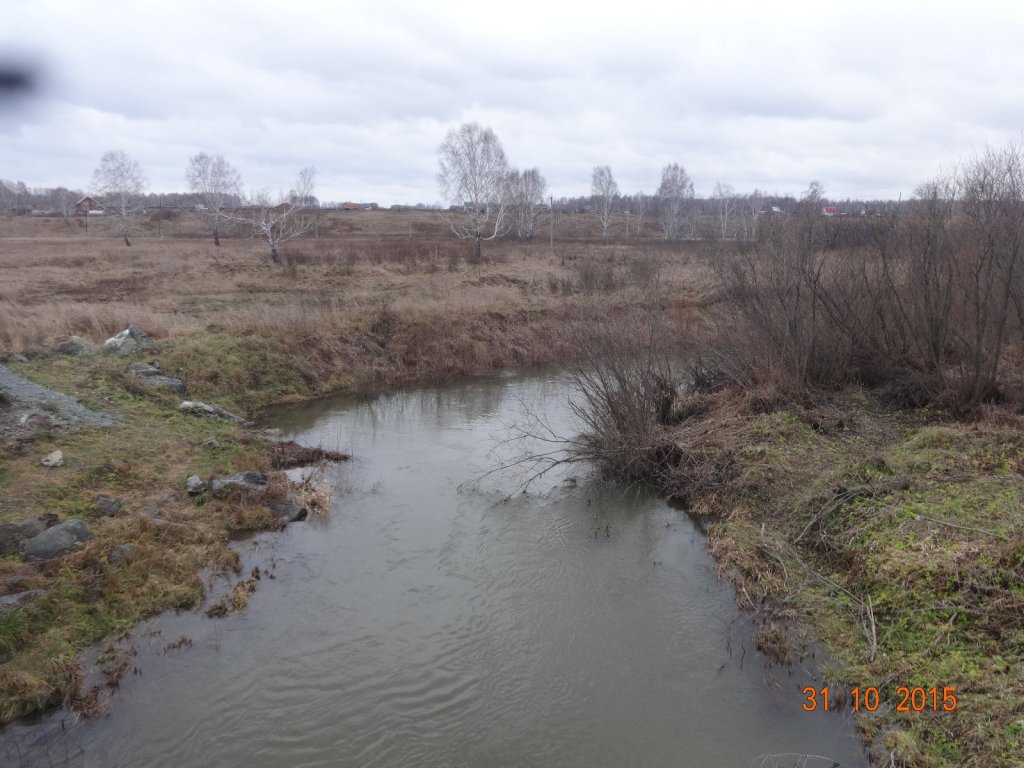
(593, 276)
(925, 303)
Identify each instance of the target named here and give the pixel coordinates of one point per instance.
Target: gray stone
(76, 346)
(17, 359)
(205, 409)
(14, 533)
(211, 442)
(56, 541)
(54, 459)
(196, 485)
(151, 376)
(122, 553)
(107, 507)
(254, 482)
(131, 339)
(9, 603)
(288, 510)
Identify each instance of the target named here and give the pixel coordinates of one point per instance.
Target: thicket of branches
(927, 301)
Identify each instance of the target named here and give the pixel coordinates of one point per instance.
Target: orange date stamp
(907, 699)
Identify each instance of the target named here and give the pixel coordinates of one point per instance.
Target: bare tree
(120, 183)
(604, 192)
(675, 197)
(752, 205)
(219, 185)
(527, 191)
(278, 220)
(473, 175)
(64, 199)
(640, 204)
(724, 203)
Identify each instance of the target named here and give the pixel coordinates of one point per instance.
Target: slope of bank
(897, 538)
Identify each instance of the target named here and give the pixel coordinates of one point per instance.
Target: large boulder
(251, 481)
(56, 541)
(76, 346)
(131, 339)
(152, 376)
(14, 533)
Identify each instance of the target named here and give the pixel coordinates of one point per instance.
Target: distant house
(350, 206)
(830, 210)
(87, 206)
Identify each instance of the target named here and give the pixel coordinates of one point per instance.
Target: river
(440, 616)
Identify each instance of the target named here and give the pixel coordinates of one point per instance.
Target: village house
(87, 207)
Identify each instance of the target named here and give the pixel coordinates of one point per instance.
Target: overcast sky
(870, 99)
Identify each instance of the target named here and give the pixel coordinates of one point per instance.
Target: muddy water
(432, 622)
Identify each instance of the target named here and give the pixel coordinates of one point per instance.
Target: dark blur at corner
(21, 81)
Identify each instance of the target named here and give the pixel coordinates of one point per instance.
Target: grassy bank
(895, 538)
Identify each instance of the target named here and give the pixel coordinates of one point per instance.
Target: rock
(9, 603)
(288, 510)
(76, 346)
(122, 553)
(14, 533)
(17, 359)
(196, 485)
(107, 507)
(56, 541)
(254, 482)
(131, 339)
(211, 442)
(54, 459)
(151, 376)
(205, 409)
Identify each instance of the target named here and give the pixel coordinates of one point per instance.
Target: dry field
(386, 292)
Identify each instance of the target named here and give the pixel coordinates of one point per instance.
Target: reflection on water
(434, 622)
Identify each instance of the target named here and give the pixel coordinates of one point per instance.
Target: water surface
(430, 621)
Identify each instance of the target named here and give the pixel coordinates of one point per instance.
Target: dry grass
(91, 286)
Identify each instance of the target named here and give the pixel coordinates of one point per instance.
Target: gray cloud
(868, 98)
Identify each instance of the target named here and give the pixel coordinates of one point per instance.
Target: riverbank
(894, 537)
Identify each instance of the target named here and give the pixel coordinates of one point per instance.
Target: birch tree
(675, 201)
(724, 204)
(752, 206)
(218, 184)
(604, 193)
(640, 204)
(276, 220)
(527, 189)
(473, 174)
(120, 184)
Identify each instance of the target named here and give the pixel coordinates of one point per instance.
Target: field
(891, 533)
